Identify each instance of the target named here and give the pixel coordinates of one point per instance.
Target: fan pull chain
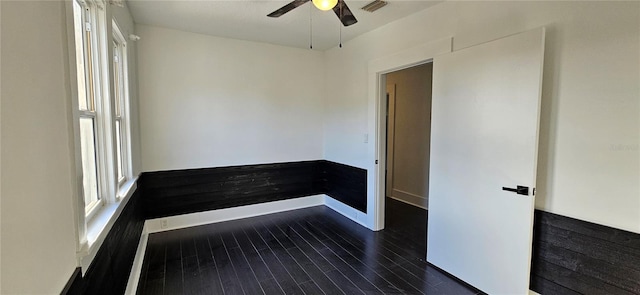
(340, 24)
(310, 27)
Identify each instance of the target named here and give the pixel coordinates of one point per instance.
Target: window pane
(116, 78)
(119, 150)
(88, 147)
(80, 60)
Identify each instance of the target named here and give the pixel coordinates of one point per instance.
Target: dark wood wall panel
(571, 256)
(168, 193)
(123, 240)
(75, 285)
(346, 184)
(109, 271)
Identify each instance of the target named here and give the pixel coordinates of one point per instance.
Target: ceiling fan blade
(344, 13)
(284, 9)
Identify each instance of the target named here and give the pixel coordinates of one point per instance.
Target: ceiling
(247, 20)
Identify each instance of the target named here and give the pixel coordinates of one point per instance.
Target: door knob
(520, 190)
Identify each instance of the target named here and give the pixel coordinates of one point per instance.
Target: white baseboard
(136, 268)
(213, 216)
(411, 199)
(346, 210)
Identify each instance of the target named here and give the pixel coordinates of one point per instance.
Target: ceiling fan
(340, 8)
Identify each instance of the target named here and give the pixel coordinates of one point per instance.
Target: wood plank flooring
(307, 251)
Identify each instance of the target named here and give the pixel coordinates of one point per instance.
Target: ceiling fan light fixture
(325, 5)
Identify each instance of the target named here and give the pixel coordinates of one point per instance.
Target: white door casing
(486, 108)
(374, 219)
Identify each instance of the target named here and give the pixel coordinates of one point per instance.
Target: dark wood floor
(307, 251)
(408, 223)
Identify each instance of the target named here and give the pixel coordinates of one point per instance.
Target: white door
(486, 106)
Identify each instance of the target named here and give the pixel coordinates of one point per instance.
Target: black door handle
(520, 190)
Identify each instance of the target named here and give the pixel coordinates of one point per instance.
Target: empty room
(319, 147)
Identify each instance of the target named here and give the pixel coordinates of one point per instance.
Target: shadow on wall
(548, 121)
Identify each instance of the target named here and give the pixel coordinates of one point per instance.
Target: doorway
(408, 125)
(486, 101)
(376, 149)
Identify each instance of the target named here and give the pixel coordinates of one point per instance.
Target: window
(121, 101)
(89, 103)
(100, 101)
(102, 115)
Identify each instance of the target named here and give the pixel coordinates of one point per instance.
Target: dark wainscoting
(571, 256)
(168, 193)
(74, 286)
(109, 270)
(346, 184)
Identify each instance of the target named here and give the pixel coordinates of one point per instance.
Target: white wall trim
(200, 218)
(376, 110)
(136, 268)
(401, 192)
(411, 199)
(346, 210)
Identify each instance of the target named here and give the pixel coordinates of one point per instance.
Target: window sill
(100, 224)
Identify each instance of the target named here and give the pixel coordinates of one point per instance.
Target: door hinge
(376, 161)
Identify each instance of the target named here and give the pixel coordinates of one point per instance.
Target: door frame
(378, 68)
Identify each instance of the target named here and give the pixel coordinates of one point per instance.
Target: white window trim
(91, 211)
(104, 107)
(92, 227)
(102, 223)
(125, 121)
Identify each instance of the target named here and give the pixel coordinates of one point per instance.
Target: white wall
(589, 165)
(38, 231)
(38, 167)
(208, 101)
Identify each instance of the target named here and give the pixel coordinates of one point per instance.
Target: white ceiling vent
(375, 5)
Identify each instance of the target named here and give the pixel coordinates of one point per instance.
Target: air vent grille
(375, 5)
